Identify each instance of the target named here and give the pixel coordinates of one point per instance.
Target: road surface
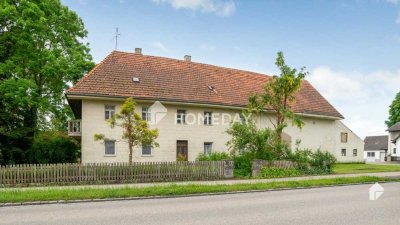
(330, 205)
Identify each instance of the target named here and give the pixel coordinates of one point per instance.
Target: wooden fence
(22, 175)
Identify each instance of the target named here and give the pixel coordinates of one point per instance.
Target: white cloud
(206, 47)
(219, 7)
(395, 2)
(160, 46)
(362, 98)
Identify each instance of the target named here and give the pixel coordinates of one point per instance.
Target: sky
(351, 48)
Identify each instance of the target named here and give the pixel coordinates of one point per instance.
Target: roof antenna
(116, 38)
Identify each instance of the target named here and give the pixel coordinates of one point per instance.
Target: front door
(181, 150)
(382, 157)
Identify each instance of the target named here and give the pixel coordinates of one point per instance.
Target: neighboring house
(198, 103)
(375, 148)
(394, 142)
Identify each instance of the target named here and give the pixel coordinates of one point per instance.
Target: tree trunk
(130, 152)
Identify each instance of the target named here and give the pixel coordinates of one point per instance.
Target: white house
(192, 105)
(394, 142)
(375, 148)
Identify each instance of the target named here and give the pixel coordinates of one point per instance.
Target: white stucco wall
(377, 157)
(393, 135)
(317, 133)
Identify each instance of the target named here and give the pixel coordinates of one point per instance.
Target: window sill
(147, 155)
(110, 155)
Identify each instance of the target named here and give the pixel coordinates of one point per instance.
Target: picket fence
(24, 174)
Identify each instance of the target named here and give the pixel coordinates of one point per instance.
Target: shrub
(215, 156)
(274, 172)
(242, 164)
(323, 160)
(53, 147)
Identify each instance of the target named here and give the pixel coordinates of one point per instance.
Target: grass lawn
(52, 194)
(346, 168)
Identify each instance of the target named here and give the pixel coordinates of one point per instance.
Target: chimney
(188, 58)
(138, 51)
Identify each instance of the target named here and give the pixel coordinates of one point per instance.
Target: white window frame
(371, 154)
(181, 116)
(207, 118)
(151, 150)
(211, 148)
(356, 152)
(146, 113)
(394, 151)
(109, 111)
(345, 152)
(105, 148)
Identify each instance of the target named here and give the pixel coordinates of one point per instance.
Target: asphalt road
(332, 205)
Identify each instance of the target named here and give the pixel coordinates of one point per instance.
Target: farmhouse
(394, 142)
(192, 105)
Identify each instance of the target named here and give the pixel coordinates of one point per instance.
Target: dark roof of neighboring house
(376, 142)
(175, 80)
(395, 127)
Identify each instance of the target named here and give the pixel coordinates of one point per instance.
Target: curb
(177, 196)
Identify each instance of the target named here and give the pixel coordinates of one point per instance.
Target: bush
(318, 162)
(323, 160)
(242, 164)
(53, 147)
(215, 156)
(274, 172)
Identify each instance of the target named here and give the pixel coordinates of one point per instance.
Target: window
(181, 116)
(343, 152)
(370, 154)
(207, 148)
(207, 118)
(394, 150)
(109, 147)
(109, 111)
(146, 113)
(354, 152)
(343, 137)
(146, 149)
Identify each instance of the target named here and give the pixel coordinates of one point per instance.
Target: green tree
(135, 130)
(394, 111)
(279, 94)
(41, 41)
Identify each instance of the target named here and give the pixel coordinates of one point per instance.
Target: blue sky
(351, 48)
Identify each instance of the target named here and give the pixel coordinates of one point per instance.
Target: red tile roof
(182, 81)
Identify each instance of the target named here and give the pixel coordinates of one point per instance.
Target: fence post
(256, 167)
(228, 169)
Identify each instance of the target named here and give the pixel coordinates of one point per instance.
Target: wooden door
(181, 150)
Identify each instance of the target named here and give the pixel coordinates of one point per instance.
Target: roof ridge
(198, 63)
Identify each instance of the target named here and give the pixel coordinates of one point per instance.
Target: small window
(207, 148)
(146, 149)
(207, 118)
(181, 116)
(146, 114)
(394, 150)
(343, 152)
(370, 154)
(109, 111)
(109, 147)
(354, 152)
(343, 137)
